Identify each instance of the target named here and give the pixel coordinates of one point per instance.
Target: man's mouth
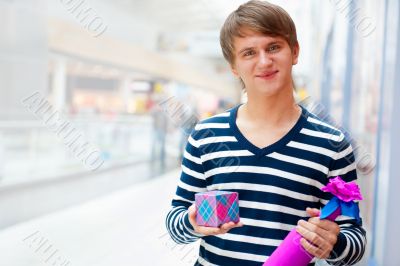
(267, 75)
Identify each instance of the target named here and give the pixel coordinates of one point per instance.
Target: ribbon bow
(344, 195)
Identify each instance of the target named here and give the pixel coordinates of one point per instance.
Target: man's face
(264, 63)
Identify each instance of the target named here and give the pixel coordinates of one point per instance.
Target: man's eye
(248, 53)
(273, 48)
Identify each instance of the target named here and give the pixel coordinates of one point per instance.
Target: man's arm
(341, 242)
(350, 245)
(351, 241)
(192, 180)
(181, 220)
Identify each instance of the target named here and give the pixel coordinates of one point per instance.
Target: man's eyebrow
(245, 49)
(276, 42)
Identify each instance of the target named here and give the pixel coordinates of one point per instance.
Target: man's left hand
(319, 236)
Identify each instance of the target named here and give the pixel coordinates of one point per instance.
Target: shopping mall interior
(98, 99)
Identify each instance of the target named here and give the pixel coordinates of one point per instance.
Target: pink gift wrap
(217, 207)
(290, 252)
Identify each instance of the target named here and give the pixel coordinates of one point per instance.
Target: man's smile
(267, 74)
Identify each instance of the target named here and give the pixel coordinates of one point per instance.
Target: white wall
(23, 55)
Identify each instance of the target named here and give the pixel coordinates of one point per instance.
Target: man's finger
(218, 230)
(313, 212)
(227, 226)
(311, 236)
(312, 227)
(321, 232)
(325, 224)
(192, 212)
(210, 230)
(230, 225)
(313, 250)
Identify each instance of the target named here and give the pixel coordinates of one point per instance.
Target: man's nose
(264, 59)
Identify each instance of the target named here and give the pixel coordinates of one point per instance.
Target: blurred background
(97, 99)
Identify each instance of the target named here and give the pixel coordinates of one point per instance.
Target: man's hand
(319, 236)
(210, 230)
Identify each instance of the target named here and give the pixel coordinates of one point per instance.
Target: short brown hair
(259, 16)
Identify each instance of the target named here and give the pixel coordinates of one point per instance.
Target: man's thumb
(192, 211)
(313, 212)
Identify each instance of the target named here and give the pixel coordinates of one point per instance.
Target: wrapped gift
(290, 252)
(217, 207)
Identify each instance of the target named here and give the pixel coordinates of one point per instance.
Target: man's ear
(295, 53)
(234, 71)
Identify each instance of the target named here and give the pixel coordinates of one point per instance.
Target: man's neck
(271, 111)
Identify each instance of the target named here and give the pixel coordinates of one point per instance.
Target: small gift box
(217, 207)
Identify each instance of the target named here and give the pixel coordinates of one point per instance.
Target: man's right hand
(208, 231)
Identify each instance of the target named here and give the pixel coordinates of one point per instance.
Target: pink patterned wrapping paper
(217, 207)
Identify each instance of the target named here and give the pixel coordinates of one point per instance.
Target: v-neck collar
(272, 147)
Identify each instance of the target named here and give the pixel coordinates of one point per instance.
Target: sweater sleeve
(192, 180)
(350, 246)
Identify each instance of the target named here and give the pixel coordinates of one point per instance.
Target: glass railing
(30, 151)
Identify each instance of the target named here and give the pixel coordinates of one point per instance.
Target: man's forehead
(252, 37)
(247, 33)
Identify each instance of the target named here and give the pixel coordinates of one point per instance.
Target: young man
(270, 150)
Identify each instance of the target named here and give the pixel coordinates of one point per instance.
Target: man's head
(256, 18)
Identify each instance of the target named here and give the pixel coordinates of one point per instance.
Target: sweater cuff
(338, 248)
(189, 226)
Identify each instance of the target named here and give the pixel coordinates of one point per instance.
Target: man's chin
(267, 90)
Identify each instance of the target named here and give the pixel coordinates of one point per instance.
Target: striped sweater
(275, 184)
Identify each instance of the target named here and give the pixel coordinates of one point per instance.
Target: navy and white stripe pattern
(275, 185)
